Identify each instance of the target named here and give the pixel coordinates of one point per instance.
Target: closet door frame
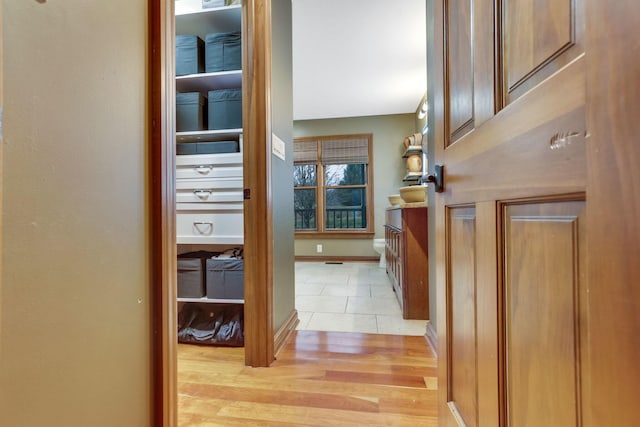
(259, 334)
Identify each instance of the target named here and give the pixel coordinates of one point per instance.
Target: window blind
(345, 151)
(305, 152)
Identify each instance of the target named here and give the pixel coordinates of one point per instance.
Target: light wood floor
(319, 379)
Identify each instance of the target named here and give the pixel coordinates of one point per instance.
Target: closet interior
(209, 172)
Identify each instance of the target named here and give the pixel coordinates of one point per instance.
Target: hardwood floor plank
(373, 391)
(323, 417)
(372, 378)
(305, 399)
(319, 379)
(348, 364)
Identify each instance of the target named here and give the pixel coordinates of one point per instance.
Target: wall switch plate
(319, 249)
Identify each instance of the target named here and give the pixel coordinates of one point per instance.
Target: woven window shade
(305, 152)
(345, 151)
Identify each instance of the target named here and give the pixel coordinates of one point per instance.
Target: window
(332, 185)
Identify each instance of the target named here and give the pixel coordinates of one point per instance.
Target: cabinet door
(510, 225)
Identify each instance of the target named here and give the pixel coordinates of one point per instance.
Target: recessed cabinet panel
(459, 67)
(542, 287)
(538, 38)
(462, 314)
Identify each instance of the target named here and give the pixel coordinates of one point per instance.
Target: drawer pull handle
(203, 227)
(202, 194)
(203, 169)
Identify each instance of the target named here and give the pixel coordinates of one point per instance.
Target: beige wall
(75, 282)
(388, 169)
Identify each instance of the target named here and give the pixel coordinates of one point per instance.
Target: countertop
(409, 205)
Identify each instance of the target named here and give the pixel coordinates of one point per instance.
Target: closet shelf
(412, 176)
(412, 149)
(212, 300)
(208, 135)
(210, 240)
(209, 81)
(192, 19)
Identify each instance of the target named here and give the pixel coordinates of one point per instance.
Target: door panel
(542, 313)
(468, 66)
(460, 67)
(539, 37)
(462, 314)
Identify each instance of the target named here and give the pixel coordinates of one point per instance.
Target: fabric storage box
(216, 147)
(225, 278)
(190, 112)
(225, 109)
(191, 274)
(223, 52)
(189, 54)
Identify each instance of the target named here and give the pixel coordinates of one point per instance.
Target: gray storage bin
(216, 147)
(191, 273)
(190, 112)
(223, 52)
(190, 278)
(225, 109)
(225, 278)
(189, 54)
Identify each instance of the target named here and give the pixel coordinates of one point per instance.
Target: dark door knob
(436, 178)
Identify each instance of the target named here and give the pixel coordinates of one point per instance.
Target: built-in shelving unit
(209, 187)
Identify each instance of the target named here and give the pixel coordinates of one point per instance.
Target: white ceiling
(356, 58)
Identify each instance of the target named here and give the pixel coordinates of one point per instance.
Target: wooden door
(509, 128)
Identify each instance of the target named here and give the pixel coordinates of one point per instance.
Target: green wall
(388, 169)
(282, 170)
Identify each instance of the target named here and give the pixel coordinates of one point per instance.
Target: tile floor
(349, 297)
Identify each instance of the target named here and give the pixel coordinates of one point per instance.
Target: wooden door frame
(613, 275)
(1, 144)
(258, 249)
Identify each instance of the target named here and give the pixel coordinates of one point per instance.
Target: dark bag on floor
(213, 324)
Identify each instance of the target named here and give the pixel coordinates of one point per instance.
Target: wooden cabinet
(407, 260)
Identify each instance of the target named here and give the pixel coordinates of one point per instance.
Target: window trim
(321, 231)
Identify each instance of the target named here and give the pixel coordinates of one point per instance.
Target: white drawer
(208, 170)
(207, 190)
(205, 159)
(210, 227)
(211, 206)
(203, 183)
(208, 195)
